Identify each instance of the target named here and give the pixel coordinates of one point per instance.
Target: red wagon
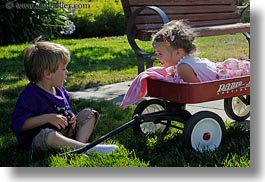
(203, 130)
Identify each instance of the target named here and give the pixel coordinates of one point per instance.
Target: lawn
(100, 61)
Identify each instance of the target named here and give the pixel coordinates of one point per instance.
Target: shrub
(25, 20)
(103, 18)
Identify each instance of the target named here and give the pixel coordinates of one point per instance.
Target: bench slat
(175, 2)
(157, 26)
(223, 29)
(189, 17)
(130, 5)
(191, 10)
(147, 31)
(214, 22)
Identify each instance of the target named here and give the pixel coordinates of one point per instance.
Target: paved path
(115, 93)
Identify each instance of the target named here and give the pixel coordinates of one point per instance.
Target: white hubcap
(239, 108)
(150, 127)
(206, 135)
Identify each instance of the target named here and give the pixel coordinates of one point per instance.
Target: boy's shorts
(39, 143)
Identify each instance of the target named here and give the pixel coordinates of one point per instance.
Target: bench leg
(248, 48)
(140, 63)
(149, 62)
(141, 60)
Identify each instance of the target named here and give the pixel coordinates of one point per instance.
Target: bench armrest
(130, 26)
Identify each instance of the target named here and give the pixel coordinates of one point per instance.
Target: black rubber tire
(230, 104)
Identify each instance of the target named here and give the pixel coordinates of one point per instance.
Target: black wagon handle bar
(136, 118)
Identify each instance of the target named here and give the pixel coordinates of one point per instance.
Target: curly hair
(178, 34)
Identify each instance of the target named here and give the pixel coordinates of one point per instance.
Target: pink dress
(208, 71)
(204, 69)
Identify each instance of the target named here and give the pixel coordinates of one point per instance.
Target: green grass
(109, 60)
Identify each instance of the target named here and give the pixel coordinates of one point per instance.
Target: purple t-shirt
(35, 101)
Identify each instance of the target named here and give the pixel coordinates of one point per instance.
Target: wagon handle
(136, 119)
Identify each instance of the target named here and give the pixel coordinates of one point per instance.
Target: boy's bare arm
(56, 120)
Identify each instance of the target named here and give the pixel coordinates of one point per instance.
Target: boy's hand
(59, 121)
(72, 121)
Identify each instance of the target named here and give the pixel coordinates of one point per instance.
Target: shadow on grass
(100, 58)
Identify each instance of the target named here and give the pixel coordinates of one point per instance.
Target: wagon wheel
(184, 114)
(237, 108)
(150, 106)
(203, 131)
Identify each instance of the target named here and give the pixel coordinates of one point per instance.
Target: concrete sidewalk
(115, 93)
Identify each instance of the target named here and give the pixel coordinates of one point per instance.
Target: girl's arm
(56, 120)
(187, 74)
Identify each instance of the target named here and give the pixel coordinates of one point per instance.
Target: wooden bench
(206, 17)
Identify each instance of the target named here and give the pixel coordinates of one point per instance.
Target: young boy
(42, 119)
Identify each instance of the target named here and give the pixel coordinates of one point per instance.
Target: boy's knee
(40, 141)
(87, 115)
